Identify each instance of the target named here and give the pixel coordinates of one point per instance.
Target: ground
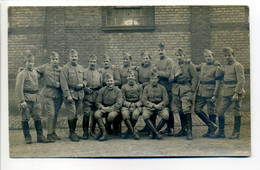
(145, 147)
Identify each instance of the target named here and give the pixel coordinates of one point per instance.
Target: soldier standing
(164, 69)
(73, 82)
(52, 93)
(26, 89)
(183, 89)
(233, 92)
(155, 100)
(109, 102)
(131, 109)
(94, 79)
(208, 90)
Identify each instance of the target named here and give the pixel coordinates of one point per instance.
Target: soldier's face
(229, 57)
(110, 82)
(154, 80)
(209, 58)
(29, 64)
(131, 78)
(74, 58)
(55, 61)
(146, 60)
(126, 61)
(92, 63)
(180, 57)
(106, 63)
(162, 52)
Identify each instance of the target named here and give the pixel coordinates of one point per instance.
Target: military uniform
(182, 89)
(123, 71)
(113, 71)
(210, 76)
(52, 96)
(73, 74)
(233, 84)
(155, 95)
(95, 82)
(144, 74)
(27, 93)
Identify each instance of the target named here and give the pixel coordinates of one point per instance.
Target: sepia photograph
(168, 81)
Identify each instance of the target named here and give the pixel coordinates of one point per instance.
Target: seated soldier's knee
(111, 116)
(97, 114)
(135, 114)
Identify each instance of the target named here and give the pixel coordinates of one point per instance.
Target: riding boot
(85, 125)
(170, 124)
(183, 131)
(93, 127)
(161, 124)
(103, 134)
(40, 137)
(117, 125)
(213, 118)
(221, 131)
(151, 126)
(236, 131)
(211, 126)
(54, 135)
(131, 129)
(108, 128)
(50, 127)
(26, 132)
(189, 126)
(73, 136)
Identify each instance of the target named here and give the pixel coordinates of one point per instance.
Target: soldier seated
(131, 109)
(155, 100)
(109, 102)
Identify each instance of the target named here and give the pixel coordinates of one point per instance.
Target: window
(128, 18)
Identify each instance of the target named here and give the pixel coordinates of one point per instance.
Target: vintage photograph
(129, 81)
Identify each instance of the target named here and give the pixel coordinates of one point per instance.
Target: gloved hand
(69, 99)
(23, 104)
(235, 97)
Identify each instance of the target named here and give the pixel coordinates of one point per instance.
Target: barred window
(128, 18)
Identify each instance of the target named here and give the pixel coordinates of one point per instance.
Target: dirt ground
(145, 147)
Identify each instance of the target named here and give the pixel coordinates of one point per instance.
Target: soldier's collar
(74, 64)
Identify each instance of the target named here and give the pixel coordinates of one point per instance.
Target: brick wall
(61, 28)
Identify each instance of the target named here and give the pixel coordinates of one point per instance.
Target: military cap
(28, 57)
(109, 76)
(73, 52)
(127, 55)
(179, 51)
(145, 53)
(92, 57)
(207, 52)
(154, 74)
(130, 72)
(227, 50)
(106, 57)
(54, 54)
(161, 46)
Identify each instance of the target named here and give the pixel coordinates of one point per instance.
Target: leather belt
(207, 82)
(181, 82)
(230, 82)
(31, 91)
(75, 89)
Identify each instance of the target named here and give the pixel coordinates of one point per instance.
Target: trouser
(200, 102)
(73, 108)
(33, 110)
(226, 102)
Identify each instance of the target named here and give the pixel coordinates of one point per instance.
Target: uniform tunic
(108, 98)
(234, 81)
(95, 82)
(114, 72)
(131, 94)
(144, 74)
(71, 75)
(52, 95)
(26, 89)
(183, 88)
(207, 88)
(155, 95)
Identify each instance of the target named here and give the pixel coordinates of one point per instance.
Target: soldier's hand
(69, 99)
(23, 104)
(58, 85)
(109, 109)
(156, 106)
(79, 86)
(235, 97)
(171, 78)
(89, 90)
(213, 99)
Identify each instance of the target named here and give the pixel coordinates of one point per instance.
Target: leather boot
(54, 135)
(103, 134)
(151, 126)
(131, 129)
(85, 125)
(40, 137)
(213, 118)
(108, 128)
(211, 126)
(189, 126)
(183, 131)
(73, 136)
(26, 132)
(93, 127)
(170, 124)
(50, 127)
(117, 125)
(236, 131)
(221, 131)
(161, 124)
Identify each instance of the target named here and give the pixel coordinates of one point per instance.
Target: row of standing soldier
(161, 90)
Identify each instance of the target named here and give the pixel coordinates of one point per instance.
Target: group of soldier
(110, 95)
